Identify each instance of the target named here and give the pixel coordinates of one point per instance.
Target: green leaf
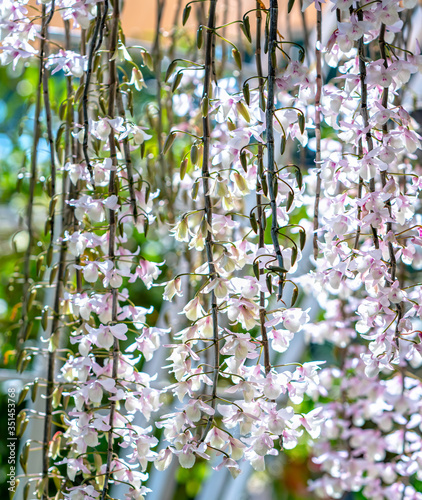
(176, 81)
(262, 102)
(205, 104)
(256, 270)
(243, 111)
(199, 38)
(264, 185)
(26, 490)
(254, 223)
(25, 363)
(22, 395)
(47, 226)
(44, 318)
(57, 394)
(295, 295)
(263, 221)
(246, 28)
(277, 269)
(299, 178)
(79, 93)
(15, 487)
(194, 156)
(169, 142)
(301, 120)
(237, 58)
(21, 425)
(170, 70)
(21, 417)
(23, 459)
(302, 239)
(246, 93)
(290, 6)
(52, 207)
(53, 273)
(275, 185)
(148, 60)
(62, 110)
(183, 168)
(244, 160)
(186, 14)
(269, 282)
(31, 299)
(282, 144)
(290, 198)
(28, 332)
(195, 190)
(34, 389)
(230, 125)
(41, 487)
(267, 35)
(50, 255)
(294, 255)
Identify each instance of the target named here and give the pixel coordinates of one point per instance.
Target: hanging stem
(208, 207)
(156, 51)
(54, 342)
(47, 107)
(48, 420)
(70, 154)
(103, 25)
(30, 206)
(364, 113)
(393, 261)
(92, 49)
(318, 56)
(175, 29)
(223, 60)
(360, 190)
(240, 41)
(113, 87)
(69, 96)
(171, 56)
(271, 176)
(305, 30)
(78, 154)
(259, 174)
(128, 157)
(392, 256)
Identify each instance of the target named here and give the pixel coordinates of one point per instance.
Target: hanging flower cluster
(369, 241)
(220, 163)
(103, 200)
(226, 382)
(377, 433)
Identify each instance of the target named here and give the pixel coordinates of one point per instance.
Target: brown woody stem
(260, 172)
(208, 206)
(113, 88)
(271, 176)
(318, 56)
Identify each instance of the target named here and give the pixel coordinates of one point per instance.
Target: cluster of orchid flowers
(244, 216)
(368, 257)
